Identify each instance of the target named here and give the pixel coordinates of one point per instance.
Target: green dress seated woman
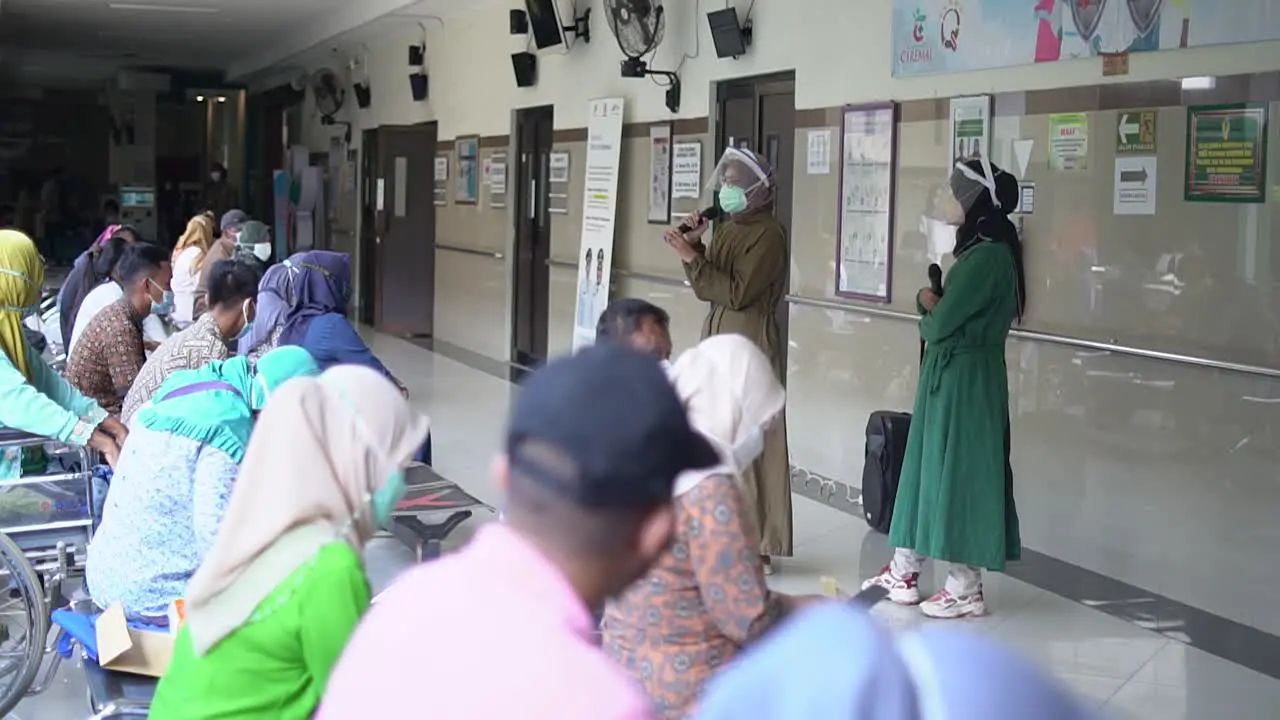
(272, 606)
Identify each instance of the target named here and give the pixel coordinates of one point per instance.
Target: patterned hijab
(322, 286)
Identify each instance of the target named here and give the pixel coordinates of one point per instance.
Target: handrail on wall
(1053, 339)
(470, 251)
(630, 274)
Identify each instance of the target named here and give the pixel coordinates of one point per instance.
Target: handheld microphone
(710, 213)
(935, 279)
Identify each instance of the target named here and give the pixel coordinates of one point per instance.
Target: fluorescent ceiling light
(1199, 83)
(163, 8)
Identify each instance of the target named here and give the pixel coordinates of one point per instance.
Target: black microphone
(708, 214)
(935, 279)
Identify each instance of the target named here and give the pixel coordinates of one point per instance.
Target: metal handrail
(629, 274)
(1055, 339)
(470, 251)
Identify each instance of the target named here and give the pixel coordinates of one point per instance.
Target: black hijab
(994, 194)
(91, 269)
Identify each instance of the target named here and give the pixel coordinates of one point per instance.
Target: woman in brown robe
(743, 275)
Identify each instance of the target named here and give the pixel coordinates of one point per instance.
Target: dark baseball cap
(615, 425)
(232, 218)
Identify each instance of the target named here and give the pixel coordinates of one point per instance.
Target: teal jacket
(47, 405)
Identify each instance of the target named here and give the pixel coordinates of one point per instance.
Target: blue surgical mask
(385, 499)
(248, 324)
(164, 306)
(26, 311)
(733, 199)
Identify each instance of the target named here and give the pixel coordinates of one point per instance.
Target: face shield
(737, 179)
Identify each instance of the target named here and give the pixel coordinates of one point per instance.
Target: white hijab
(731, 393)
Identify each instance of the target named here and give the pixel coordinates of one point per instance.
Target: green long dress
(955, 494)
(743, 275)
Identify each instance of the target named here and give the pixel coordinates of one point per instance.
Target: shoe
(902, 590)
(945, 606)
(767, 563)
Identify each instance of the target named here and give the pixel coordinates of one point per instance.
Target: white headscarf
(731, 393)
(319, 451)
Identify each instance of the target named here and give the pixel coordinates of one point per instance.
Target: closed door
(404, 206)
(531, 303)
(759, 114)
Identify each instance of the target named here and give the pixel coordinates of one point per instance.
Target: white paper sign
(442, 168)
(599, 216)
(686, 171)
(498, 175)
(558, 167)
(819, 152)
(1135, 185)
(970, 128)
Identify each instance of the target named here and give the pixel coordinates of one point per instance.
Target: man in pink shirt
(502, 629)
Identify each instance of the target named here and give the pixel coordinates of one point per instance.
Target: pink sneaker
(902, 590)
(945, 606)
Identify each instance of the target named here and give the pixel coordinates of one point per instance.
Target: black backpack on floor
(886, 447)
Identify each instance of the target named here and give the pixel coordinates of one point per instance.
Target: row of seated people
(621, 487)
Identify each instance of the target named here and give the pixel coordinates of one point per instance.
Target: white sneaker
(902, 590)
(945, 606)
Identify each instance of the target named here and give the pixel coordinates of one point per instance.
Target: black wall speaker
(418, 86)
(525, 65)
(363, 95)
(417, 55)
(519, 22)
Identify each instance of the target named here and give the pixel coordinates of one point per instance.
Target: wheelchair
(46, 522)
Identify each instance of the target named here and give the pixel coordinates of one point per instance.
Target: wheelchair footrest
(109, 687)
(424, 538)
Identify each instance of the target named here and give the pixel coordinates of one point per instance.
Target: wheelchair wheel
(24, 624)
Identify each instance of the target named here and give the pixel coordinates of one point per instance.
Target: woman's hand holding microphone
(683, 242)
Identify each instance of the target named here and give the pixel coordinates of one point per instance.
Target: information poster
(599, 216)
(558, 167)
(1069, 141)
(970, 128)
(1227, 153)
(866, 203)
(1135, 185)
(686, 173)
(660, 173)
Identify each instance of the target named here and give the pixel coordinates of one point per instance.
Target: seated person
(110, 290)
(94, 267)
(233, 287)
(174, 478)
(283, 587)
(110, 352)
(275, 297)
(189, 256)
(254, 241)
(222, 248)
(33, 398)
(638, 323)
(317, 318)
(705, 597)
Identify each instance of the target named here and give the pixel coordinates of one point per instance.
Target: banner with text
(599, 216)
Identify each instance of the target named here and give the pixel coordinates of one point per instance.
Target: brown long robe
(744, 277)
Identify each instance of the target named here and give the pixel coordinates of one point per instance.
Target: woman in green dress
(955, 494)
(742, 275)
(274, 602)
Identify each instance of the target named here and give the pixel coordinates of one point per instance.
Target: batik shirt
(109, 356)
(190, 349)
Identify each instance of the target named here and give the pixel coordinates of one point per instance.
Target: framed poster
(1226, 153)
(864, 232)
(660, 173)
(970, 121)
(467, 191)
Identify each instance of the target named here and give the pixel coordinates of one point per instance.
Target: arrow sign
(1128, 128)
(1134, 176)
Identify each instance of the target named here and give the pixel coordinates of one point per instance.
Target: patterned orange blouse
(701, 602)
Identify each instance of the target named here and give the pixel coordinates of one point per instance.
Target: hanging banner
(1227, 153)
(599, 216)
(950, 36)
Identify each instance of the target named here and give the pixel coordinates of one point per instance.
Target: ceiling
(68, 43)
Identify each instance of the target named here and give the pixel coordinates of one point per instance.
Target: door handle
(533, 198)
(377, 239)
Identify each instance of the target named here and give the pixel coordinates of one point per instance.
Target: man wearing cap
(502, 629)
(224, 248)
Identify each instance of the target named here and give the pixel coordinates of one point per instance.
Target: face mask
(732, 199)
(216, 177)
(248, 324)
(262, 251)
(25, 311)
(750, 448)
(164, 306)
(386, 498)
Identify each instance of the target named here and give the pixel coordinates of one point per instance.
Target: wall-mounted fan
(326, 92)
(638, 26)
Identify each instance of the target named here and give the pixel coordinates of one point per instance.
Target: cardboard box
(122, 648)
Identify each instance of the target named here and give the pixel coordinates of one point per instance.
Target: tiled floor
(1128, 671)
